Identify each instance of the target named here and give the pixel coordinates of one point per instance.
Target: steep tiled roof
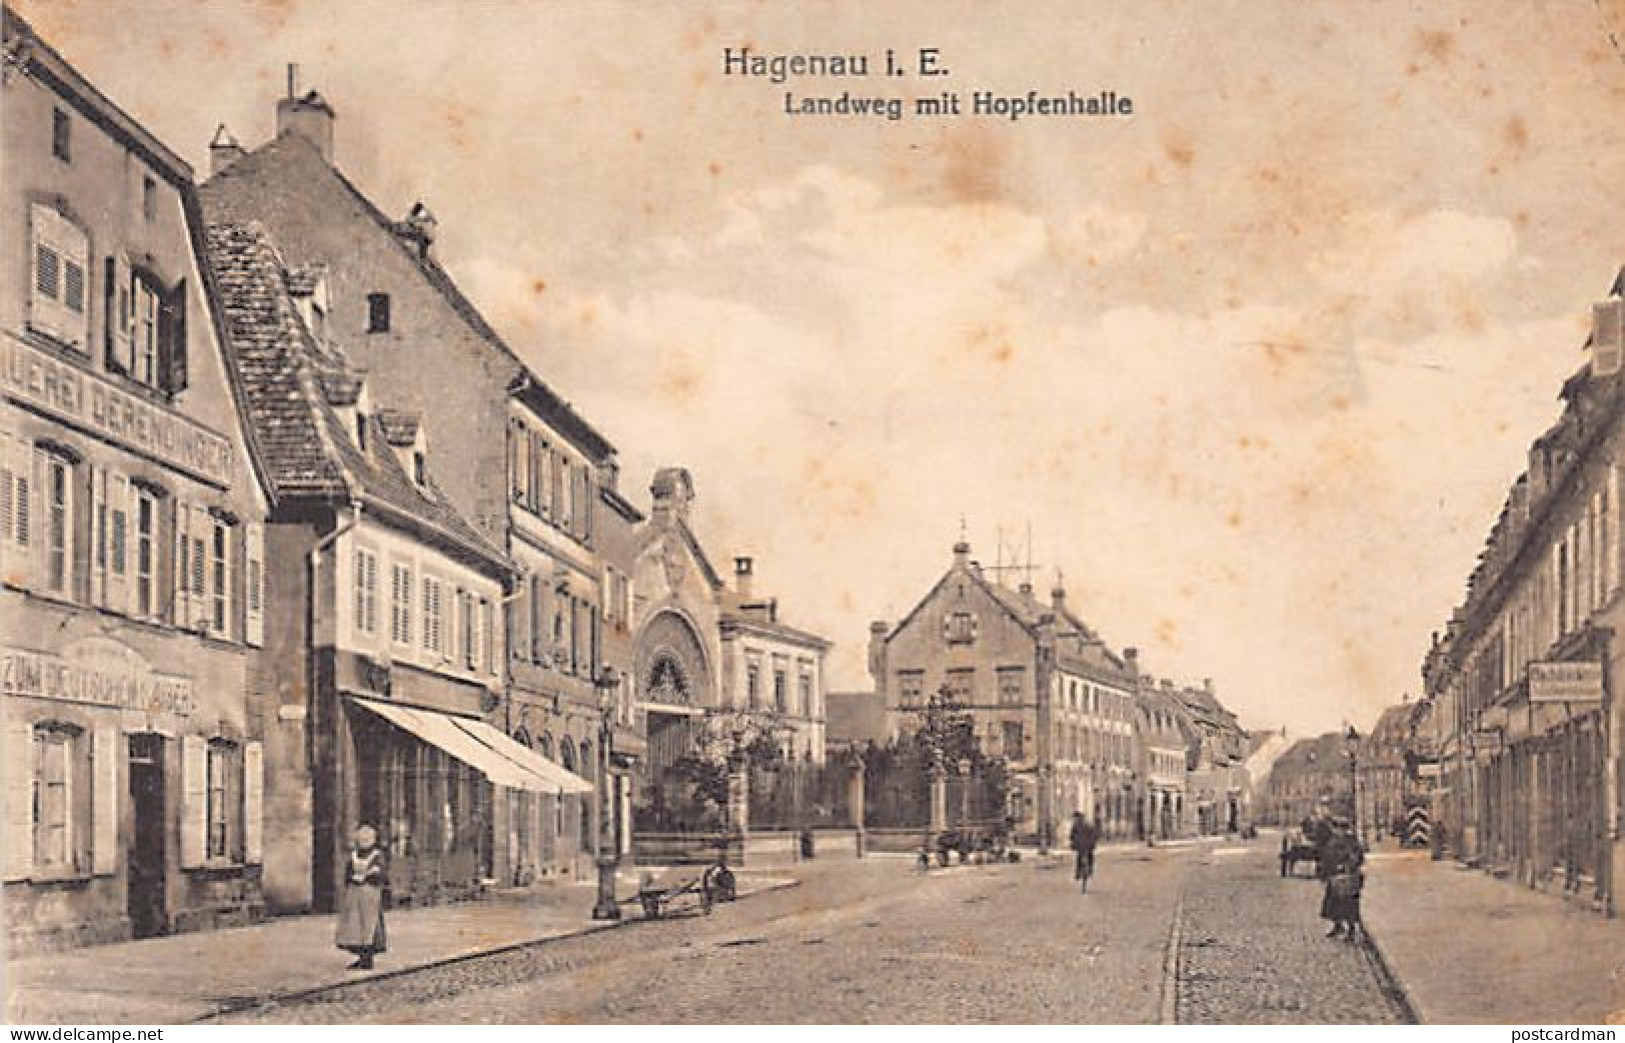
(400, 426)
(308, 451)
(294, 149)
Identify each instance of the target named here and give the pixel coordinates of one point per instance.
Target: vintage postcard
(583, 511)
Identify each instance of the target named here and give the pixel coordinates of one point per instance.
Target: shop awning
(441, 730)
(559, 780)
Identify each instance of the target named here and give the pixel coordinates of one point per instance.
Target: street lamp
(607, 907)
(1351, 746)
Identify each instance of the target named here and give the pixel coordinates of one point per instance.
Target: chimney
(877, 655)
(1026, 589)
(224, 150)
(743, 568)
(418, 228)
(1131, 657)
(962, 555)
(1057, 598)
(308, 115)
(671, 491)
(1607, 336)
(1207, 685)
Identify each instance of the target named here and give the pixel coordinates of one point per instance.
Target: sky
(1255, 365)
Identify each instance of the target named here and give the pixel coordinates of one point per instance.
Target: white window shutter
(121, 541)
(194, 800)
(104, 807)
(180, 607)
(254, 584)
(254, 803)
(19, 776)
(99, 535)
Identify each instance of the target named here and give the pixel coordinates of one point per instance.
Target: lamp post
(609, 856)
(1351, 746)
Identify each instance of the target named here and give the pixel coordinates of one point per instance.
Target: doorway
(145, 897)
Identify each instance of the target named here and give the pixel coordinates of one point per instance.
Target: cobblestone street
(877, 942)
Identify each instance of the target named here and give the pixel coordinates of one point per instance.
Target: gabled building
(130, 543)
(526, 469)
(1382, 770)
(382, 622)
(706, 650)
(1164, 735)
(1313, 776)
(1216, 782)
(1044, 692)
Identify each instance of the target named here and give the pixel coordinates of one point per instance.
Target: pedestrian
(1084, 837)
(1342, 862)
(360, 927)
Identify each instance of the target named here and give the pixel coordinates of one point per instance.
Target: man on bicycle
(1084, 838)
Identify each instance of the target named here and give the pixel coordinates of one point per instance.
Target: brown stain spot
(586, 316)
(1167, 633)
(975, 166)
(1233, 519)
(1438, 44)
(714, 168)
(1515, 134)
(539, 286)
(1180, 150)
(637, 135)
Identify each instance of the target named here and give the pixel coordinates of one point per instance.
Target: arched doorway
(674, 683)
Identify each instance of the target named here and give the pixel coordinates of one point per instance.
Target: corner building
(131, 548)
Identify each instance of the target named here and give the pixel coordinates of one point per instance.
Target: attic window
(418, 469)
(149, 198)
(361, 431)
(61, 143)
(377, 313)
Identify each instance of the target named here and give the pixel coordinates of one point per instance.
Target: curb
(1168, 1000)
(1392, 986)
(239, 1004)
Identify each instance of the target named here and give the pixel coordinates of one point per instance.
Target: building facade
(1313, 776)
(131, 554)
(708, 653)
(1044, 692)
(527, 471)
(1522, 680)
(1382, 774)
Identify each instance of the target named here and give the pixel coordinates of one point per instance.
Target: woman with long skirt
(361, 906)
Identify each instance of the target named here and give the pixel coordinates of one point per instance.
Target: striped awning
(480, 746)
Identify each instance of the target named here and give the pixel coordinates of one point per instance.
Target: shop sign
(97, 671)
(1579, 681)
(84, 399)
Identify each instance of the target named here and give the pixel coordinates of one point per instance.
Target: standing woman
(361, 906)
(1342, 862)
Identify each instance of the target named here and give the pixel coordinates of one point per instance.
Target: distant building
(1043, 690)
(1164, 734)
(1311, 776)
(1382, 768)
(854, 719)
(1217, 779)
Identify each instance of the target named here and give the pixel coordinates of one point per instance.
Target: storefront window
(224, 799)
(55, 747)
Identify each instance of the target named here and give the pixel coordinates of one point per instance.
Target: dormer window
(361, 431)
(318, 320)
(418, 470)
(377, 313)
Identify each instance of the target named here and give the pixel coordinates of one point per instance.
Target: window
(149, 198)
(778, 691)
(961, 685)
(361, 431)
(960, 628)
(56, 473)
(220, 577)
(146, 561)
(806, 708)
(753, 686)
(488, 631)
(54, 795)
(910, 688)
(537, 619)
(366, 591)
(146, 297)
(223, 817)
(61, 136)
(418, 474)
(400, 604)
(377, 313)
(434, 636)
(1011, 681)
(58, 303)
(1014, 740)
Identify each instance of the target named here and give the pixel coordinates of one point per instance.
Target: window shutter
(99, 536)
(254, 579)
(119, 546)
(194, 800)
(104, 808)
(33, 531)
(254, 803)
(19, 776)
(11, 555)
(172, 368)
(181, 607)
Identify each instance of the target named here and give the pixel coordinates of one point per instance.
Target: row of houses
(1519, 750)
(1082, 727)
(294, 539)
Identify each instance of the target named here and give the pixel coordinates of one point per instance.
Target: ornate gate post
(854, 796)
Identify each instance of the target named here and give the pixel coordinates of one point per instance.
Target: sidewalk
(1471, 949)
(184, 977)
